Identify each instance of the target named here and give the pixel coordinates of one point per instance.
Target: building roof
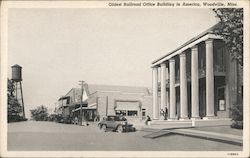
(208, 31)
(124, 89)
(63, 97)
(92, 88)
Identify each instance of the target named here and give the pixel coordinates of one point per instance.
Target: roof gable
(208, 31)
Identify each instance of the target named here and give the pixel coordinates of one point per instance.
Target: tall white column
(163, 87)
(172, 89)
(209, 79)
(183, 87)
(155, 93)
(194, 83)
(167, 93)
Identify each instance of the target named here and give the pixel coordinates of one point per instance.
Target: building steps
(200, 122)
(170, 122)
(157, 134)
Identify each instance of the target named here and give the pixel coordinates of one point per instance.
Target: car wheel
(119, 129)
(103, 128)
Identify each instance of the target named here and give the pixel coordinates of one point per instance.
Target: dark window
(120, 112)
(219, 60)
(143, 112)
(120, 118)
(132, 113)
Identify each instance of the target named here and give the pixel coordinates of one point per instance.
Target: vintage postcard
(125, 78)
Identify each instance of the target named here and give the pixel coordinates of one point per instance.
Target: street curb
(190, 133)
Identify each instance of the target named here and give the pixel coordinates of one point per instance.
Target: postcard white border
(104, 4)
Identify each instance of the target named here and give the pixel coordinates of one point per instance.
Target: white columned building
(200, 91)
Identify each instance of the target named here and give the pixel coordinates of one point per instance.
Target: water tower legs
(22, 99)
(19, 95)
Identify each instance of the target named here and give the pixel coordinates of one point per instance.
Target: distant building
(135, 103)
(198, 80)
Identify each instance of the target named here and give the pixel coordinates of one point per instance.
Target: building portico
(193, 80)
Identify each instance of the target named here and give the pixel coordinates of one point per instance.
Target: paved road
(50, 136)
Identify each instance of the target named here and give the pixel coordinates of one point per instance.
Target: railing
(202, 73)
(159, 84)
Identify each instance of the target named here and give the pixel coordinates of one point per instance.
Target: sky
(59, 47)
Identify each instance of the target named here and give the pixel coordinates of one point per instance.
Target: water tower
(17, 79)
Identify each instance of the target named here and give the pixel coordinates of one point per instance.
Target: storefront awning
(84, 108)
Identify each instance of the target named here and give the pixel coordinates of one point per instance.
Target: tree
(231, 29)
(14, 108)
(40, 113)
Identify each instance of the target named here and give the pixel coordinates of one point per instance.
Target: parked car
(116, 123)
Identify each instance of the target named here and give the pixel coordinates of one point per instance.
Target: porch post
(183, 87)
(172, 89)
(163, 87)
(194, 83)
(209, 79)
(167, 93)
(155, 93)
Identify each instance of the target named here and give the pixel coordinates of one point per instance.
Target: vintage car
(116, 123)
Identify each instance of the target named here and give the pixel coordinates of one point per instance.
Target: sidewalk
(221, 129)
(221, 137)
(212, 130)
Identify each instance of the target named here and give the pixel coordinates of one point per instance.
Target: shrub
(16, 118)
(237, 116)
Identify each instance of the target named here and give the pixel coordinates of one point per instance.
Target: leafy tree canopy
(14, 108)
(40, 113)
(231, 29)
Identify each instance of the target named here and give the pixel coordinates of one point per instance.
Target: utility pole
(81, 84)
(107, 104)
(97, 110)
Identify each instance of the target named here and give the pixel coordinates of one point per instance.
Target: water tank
(16, 73)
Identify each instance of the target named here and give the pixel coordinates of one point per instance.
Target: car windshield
(120, 118)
